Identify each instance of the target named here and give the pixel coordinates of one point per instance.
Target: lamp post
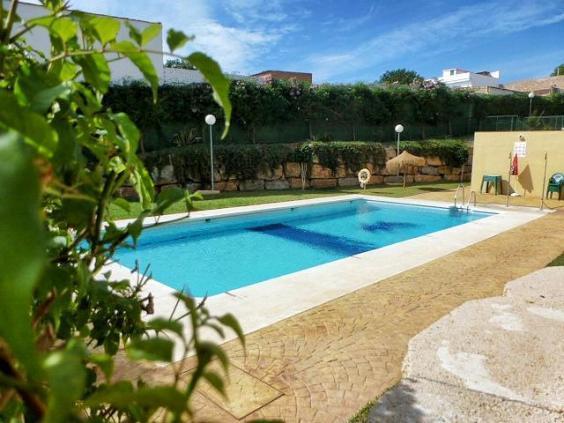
(399, 129)
(531, 96)
(210, 120)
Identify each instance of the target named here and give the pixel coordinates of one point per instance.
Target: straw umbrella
(403, 162)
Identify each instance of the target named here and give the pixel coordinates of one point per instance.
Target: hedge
(292, 112)
(246, 161)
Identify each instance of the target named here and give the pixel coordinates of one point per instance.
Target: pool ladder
(471, 199)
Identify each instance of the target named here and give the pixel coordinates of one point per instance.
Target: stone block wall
(288, 176)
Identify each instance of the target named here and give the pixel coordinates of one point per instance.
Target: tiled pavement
(331, 360)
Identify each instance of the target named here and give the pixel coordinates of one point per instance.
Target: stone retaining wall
(288, 176)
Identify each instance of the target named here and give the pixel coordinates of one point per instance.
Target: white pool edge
(262, 304)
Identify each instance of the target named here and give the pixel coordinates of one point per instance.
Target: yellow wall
(491, 157)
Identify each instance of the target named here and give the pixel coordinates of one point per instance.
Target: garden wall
(288, 175)
(491, 157)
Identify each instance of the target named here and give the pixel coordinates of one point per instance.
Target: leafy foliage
(453, 152)
(63, 158)
(290, 112)
(558, 70)
(400, 76)
(179, 64)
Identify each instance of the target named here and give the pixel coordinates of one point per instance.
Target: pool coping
(262, 304)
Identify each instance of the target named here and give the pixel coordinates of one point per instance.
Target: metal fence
(516, 123)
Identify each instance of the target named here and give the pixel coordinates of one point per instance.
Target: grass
(247, 198)
(558, 261)
(362, 415)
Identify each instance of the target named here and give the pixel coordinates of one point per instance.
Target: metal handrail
(472, 196)
(460, 186)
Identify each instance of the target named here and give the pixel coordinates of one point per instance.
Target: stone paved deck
(331, 360)
(495, 359)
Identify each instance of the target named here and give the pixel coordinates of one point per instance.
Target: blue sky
(348, 41)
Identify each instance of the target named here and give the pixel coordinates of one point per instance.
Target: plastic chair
(495, 180)
(555, 184)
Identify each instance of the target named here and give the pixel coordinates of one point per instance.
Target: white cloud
(444, 33)
(236, 47)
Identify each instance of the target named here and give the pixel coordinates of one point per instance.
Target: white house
(121, 70)
(460, 78)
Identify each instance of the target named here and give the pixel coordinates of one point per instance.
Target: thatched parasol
(402, 163)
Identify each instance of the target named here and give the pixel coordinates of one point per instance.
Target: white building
(460, 78)
(121, 70)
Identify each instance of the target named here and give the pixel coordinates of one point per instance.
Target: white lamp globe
(399, 128)
(531, 94)
(210, 119)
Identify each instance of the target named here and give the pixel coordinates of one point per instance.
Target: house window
(452, 71)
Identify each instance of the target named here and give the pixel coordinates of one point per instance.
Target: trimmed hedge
(293, 112)
(246, 161)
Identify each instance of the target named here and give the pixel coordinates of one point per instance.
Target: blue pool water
(222, 254)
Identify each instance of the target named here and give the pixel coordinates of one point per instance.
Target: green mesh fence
(175, 134)
(516, 123)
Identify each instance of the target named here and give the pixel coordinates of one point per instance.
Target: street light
(399, 129)
(210, 120)
(531, 96)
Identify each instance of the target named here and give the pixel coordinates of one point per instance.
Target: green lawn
(558, 261)
(247, 198)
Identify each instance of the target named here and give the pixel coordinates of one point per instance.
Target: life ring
(363, 177)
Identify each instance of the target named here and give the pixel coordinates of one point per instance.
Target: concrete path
(498, 359)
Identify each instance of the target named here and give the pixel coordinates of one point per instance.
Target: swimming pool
(212, 256)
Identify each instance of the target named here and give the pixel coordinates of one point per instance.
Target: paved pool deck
(324, 364)
(495, 359)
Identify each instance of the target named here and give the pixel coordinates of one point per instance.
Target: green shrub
(63, 159)
(329, 111)
(453, 152)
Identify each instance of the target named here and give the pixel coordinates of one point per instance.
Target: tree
(63, 159)
(558, 70)
(400, 76)
(181, 63)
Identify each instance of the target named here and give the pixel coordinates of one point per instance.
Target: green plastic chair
(493, 180)
(555, 184)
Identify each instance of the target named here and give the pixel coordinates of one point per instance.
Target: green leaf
(143, 183)
(218, 81)
(150, 33)
(231, 322)
(128, 130)
(216, 381)
(152, 349)
(67, 379)
(65, 28)
(105, 28)
(209, 350)
(134, 33)
(122, 203)
(104, 362)
(30, 125)
(160, 324)
(176, 39)
(142, 61)
(96, 70)
(22, 249)
(43, 99)
(123, 395)
(119, 394)
(167, 198)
